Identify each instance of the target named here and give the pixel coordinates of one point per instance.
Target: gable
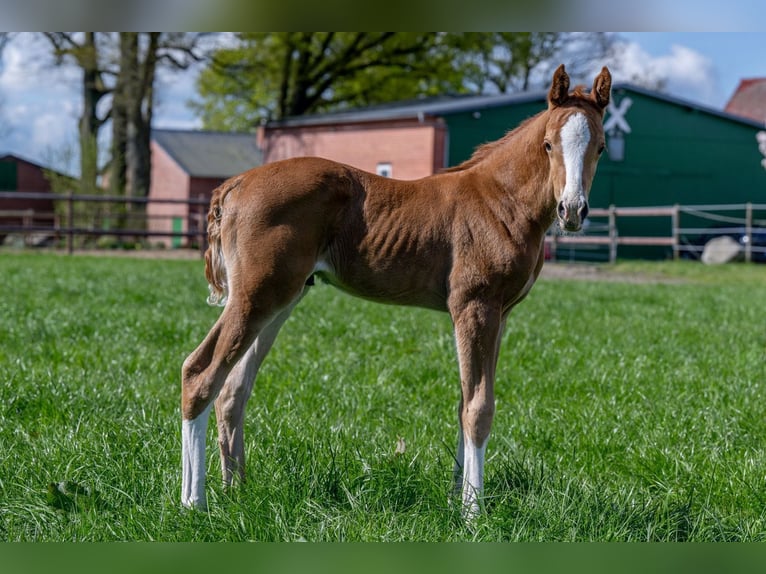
(749, 100)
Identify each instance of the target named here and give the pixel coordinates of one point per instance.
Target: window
(384, 169)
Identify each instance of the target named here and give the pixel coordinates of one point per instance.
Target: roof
(749, 100)
(444, 106)
(410, 109)
(210, 154)
(16, 157)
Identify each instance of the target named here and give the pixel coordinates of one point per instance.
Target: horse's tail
(215, 263)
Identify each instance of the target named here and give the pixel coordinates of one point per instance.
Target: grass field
(629, 409)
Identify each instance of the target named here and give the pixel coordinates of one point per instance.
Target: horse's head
(574, 141)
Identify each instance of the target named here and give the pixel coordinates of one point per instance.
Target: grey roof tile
(210, 154)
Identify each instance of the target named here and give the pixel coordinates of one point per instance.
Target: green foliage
(275, 75)
(627, 410)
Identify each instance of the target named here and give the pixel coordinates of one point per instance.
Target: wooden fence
(684, 237)
(63, 224)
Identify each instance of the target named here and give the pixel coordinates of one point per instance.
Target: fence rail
(681, 238)
(685, 234)
(62, 223)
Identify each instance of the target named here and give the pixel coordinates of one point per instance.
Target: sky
(40, 102)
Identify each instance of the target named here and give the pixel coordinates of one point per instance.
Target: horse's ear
(602, 85)
(559, 91)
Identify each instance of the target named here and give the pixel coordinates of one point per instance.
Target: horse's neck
(520, 175)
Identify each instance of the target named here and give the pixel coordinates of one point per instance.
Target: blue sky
(732, 56)
(40, 103)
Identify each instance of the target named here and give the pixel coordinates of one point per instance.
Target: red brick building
(190, 165)
(399, 144)
(749, 100)
(21, 175)
(396, 141)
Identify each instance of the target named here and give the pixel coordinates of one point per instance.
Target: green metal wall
(679, 154)
(468, 130)
(674, 153)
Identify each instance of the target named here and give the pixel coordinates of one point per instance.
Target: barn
(21, 175)
(661, 150)
(190, 164)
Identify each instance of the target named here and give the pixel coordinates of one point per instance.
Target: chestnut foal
(468, 241)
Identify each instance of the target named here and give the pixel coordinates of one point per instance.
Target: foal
(468, 241)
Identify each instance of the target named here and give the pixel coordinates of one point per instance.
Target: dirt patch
(585, 272)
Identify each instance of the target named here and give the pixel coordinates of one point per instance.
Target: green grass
(625, 411)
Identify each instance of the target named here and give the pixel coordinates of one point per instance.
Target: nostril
(562, 210)
(583, 211)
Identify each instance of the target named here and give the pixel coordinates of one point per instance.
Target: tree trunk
(89, 123)
(144, 112)
(129, 75)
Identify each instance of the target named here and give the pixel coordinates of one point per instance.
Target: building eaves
(460, 104)
(417, 109)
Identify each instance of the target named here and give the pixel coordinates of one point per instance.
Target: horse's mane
(482, 151)
(486, 149)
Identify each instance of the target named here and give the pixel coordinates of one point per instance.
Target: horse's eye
(601, 149)
(548, 146)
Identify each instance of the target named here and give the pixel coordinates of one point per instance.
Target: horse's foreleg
(230, 404)
(477, 332)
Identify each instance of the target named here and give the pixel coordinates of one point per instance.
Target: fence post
(202, 226)
(748, 232)
(554, 245)
(27, 221)
(612, 234)
(70, 224)
(675, 224)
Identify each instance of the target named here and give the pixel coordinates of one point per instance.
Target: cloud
(683, 72)
(173, 89)
(39, 101)
(28, 65)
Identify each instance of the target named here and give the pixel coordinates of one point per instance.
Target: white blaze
(575, 136)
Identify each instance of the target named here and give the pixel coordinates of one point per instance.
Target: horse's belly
(397, 285)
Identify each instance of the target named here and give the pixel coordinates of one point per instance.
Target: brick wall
(169, 181)
(414, 149)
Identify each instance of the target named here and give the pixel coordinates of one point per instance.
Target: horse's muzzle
(572, 215)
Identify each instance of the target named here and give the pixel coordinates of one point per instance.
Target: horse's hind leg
(205, 371)
(230, 404)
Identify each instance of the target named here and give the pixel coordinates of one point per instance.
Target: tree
(132, 111)
(121, 65)
(275, 75)
(4, 37)
(87, 54)
(506, 62)
(272, 76)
